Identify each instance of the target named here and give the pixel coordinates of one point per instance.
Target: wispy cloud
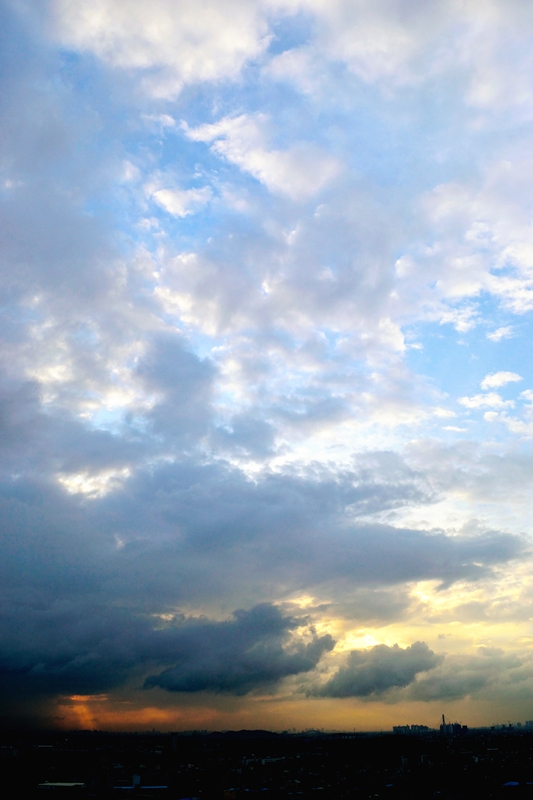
(501, 333)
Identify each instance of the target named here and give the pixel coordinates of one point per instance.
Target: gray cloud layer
(375, 671)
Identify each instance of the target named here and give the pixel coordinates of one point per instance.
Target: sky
(266, 386)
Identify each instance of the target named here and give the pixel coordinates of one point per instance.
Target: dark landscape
(231, 765)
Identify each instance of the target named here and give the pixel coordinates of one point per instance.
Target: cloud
(299, 65)
(490, 400)
(479, 676)
(74, 648)
(175, 43)
(182, 202)
(501, 333)
(375, 40)
(463, 319)
(475, 472)
(389, 42)
(497, 379)
(183, 385)
(240, 655)
(216, 533)
(246, 434)
(371, 673)
(299, 172)
(481, 236)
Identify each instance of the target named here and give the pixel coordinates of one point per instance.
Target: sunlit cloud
(94, 485)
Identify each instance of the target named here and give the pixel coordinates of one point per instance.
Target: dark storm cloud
(239, 655)
(375, 671)
(68, 647)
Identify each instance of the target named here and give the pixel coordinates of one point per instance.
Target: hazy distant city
(414, 762)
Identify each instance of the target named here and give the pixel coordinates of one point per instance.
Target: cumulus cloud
(489, 400)
(72, 648)
(239, 655)
(390, 41)
(481, 234)
(371, 673)
(497, 379)
(179, 43)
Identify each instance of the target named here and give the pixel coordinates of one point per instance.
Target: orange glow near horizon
(98, 712)
(107, 713)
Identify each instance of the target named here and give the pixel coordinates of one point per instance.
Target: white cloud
(490, 400)
(376, 40)
(501, 333)
(479, 233)
(395, 43)
(181, 203)
(177, 42)
(388, 42)
(298, 172)
(463, 319)
(299, 66)
(497, 379)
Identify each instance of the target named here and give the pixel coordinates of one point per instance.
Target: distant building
(413, 729)
(420, 729)
(452, 728)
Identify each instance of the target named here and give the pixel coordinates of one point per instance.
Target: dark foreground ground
(254, 764)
